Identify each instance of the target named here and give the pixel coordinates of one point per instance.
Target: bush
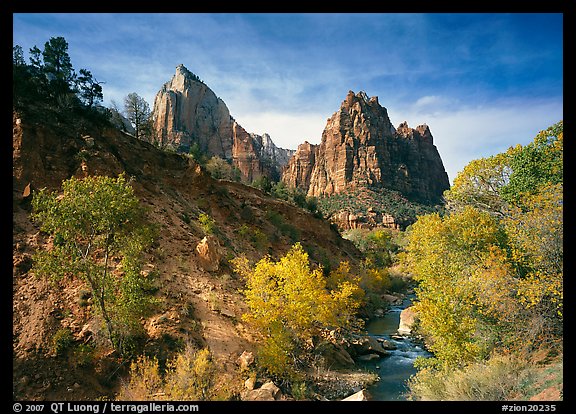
(207, 223)
(501, 378)
(61, 341)
(222, 170)
(286, 229)
(189, 376)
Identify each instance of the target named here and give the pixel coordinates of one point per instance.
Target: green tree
(57, 65)
(536, 165)
(18, 56)
(221, 169)
(89, 88)
(94, 221)
(138, 113)
(480, 185)
(263, 183)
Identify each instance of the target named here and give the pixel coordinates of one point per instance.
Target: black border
(8, 7)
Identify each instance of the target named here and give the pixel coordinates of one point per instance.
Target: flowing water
(395, 369)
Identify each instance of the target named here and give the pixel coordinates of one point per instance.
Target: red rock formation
(298, 171)
(361, 148)
(187, 112)
(244, 155)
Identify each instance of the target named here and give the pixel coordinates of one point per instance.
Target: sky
(482, 82)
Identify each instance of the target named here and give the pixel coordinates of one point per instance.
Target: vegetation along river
(394, 370)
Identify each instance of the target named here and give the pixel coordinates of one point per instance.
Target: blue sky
(482, 82)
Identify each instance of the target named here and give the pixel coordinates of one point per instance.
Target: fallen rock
(368, 357)
(368, 345)
(245, 360)
(267, 392)
(208, 251)
(250, 383)
(335, 356)
(391, 299)
(389, 346)
(361, 395)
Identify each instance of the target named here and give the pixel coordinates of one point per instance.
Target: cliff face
(298, 170)
(186, 112)
(361, 148)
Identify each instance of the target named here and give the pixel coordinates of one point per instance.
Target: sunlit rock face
(188, 113)
(361, 147)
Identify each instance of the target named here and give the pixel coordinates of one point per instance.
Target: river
(394, 370)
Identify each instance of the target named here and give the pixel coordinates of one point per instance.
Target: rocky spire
(187, 112)
(361, 147)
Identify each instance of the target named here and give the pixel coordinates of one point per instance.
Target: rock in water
(407, 319)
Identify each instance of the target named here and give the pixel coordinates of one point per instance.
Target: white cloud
(471, 133)
(287, 130)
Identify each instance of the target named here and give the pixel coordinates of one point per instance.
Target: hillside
(197, 305)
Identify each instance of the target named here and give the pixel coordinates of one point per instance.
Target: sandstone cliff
(361, 148)
(299, 168)
(186, 112)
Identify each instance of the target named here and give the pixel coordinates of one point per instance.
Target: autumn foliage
(490, 272)
(289, 303)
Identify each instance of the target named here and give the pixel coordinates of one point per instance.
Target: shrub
(207, 223)
(286, 229)
(61, 341)
(189, 376)
(502, 377)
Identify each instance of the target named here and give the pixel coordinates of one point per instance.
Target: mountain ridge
(361, 147)
(187, 112)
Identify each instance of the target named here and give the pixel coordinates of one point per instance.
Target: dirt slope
(198, 306)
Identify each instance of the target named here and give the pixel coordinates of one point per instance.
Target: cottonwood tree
(490, 273)
(289, 303)
(96, 222)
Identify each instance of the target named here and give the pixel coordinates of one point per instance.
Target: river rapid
(395, 369)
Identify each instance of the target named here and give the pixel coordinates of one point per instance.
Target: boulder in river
(361, 395)
(334, 355)
(364, 345)
(408, 318)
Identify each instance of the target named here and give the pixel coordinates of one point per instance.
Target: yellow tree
(447, 256)
(290, 303)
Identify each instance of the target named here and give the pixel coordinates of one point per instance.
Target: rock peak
(187, 114)
(361, 148)
(183, 72)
